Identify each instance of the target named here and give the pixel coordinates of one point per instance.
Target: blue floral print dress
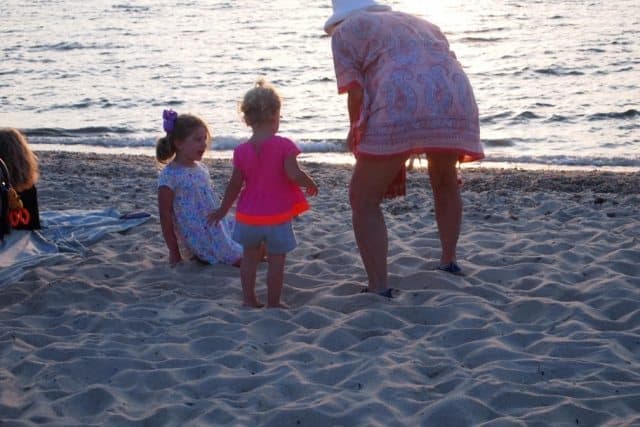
(194, 199)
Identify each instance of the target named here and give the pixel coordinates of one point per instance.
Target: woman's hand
(352, 140)
(354, 104)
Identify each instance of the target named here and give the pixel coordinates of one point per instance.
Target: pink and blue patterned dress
(417, 98)
(194, 199)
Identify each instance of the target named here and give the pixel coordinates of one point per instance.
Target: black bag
(4, 199)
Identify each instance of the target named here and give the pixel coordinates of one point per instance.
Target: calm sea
(557, 82)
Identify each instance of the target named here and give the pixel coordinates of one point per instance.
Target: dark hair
(184, 125)
(260, 104)
(22, 163)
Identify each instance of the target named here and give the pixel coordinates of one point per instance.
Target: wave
(560, 162)
(557, 118)
(506, 142)
(471, 39)
(500, 151)
(570, 161)
(130, 8)
(121, 139)
(488, 30)
(67, 46)
(592, 50)
(528, 115)
(522, 117)
(525, 116)
(558, 71)
(224, 143)
(114, 137)
(629, 114)
(76, 133)
(495, 117)
(59, 46)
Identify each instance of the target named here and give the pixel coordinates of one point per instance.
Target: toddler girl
(186, 195)
(267, 179)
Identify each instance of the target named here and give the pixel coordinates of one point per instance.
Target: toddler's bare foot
(253, 304)
(278, 305)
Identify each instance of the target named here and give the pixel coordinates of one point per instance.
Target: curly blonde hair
(184, 125)
(22, 163)
(260, 104)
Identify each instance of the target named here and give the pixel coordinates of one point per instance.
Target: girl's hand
(215, 217)
(312, 190)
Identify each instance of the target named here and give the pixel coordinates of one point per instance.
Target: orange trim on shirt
(296, 210)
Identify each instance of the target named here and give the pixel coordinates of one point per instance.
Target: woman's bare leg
(369, 182)
(447, 201)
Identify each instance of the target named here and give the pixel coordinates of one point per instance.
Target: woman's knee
(442, 171)
(362, 200)
(370, 180)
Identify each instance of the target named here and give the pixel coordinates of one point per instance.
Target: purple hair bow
(169, 118)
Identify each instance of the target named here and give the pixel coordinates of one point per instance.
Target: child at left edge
(186, 195)
(267, 179)
(24, 172)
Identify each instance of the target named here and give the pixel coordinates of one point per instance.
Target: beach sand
(544, 329)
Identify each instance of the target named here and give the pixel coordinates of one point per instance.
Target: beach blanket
(63, 233)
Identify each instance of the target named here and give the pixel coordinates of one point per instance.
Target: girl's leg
(369, 182)
(250, 259)
(447, 201)
(275, 279)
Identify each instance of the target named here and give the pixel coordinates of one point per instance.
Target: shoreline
(329, 158)
(476, 178)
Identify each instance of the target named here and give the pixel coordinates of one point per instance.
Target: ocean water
(557, 83)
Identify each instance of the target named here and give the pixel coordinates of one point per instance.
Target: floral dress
(194, 199)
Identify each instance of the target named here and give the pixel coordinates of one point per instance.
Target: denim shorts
(278, 239)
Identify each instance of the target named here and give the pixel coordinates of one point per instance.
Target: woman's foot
(387, 293)
(451, 267)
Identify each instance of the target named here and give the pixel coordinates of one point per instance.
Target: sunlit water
(557, 83)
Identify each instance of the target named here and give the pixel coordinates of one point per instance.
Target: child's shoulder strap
(5, 179)
(4, 199)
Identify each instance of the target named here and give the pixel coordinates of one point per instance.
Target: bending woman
(407, 94)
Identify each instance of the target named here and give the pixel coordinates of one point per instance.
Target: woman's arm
(355, 98)
(354, 103)
(165, 208)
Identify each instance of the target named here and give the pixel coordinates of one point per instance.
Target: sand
(544, 329)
